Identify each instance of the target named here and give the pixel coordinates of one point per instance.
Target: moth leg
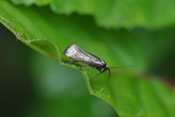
(97, 74)
(99, 69)
(71, 62)
(89, 68)
(80, 67)
(92, 67)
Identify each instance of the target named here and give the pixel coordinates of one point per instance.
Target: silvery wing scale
(79, 55)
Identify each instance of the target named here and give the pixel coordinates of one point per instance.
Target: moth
(77, 54)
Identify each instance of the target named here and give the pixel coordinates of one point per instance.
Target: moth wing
(76, 53)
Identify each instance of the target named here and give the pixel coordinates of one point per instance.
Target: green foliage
(129, 91)
(30, 2)
(116, 13)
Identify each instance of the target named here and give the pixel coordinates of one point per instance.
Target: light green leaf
(30, 2)
(149, 14)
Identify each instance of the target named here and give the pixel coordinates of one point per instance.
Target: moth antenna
(106, 82)
(121, 66)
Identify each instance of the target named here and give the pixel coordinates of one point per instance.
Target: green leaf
(116, 13)
(63, 92)
(128, 91)
(30, 2)
(122, 13)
